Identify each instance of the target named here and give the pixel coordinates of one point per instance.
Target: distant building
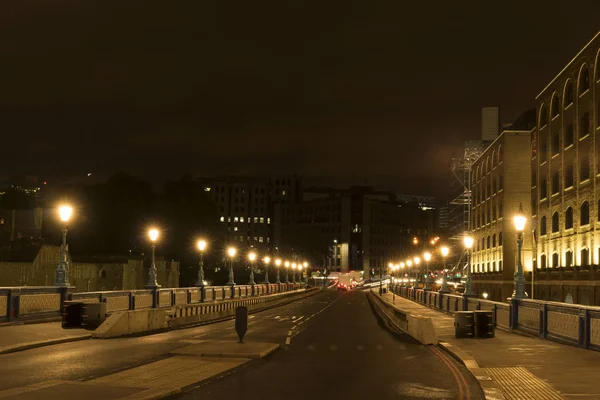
(246, 205)
(358, 228)
(501, 180)
(20, 224)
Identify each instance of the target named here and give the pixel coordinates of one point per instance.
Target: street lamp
(468, 241)
(153, 234)
(231, 252)
(444, 289)
(519, 279)
(201, 246)
(62, 269)
(267, 260)
(415, 241)
(401, 266)
(409, 265)
(251, 258)
(427, 257)
(299, 273)
(294, 273)
(277, 265)
(417, 261)
(287, 266)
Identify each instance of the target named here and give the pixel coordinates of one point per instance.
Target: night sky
(341, 92)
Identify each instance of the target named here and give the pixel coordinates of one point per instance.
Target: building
(501, 183)
(358, 228)
(20, 224)
(246, 205)
(36, 266)
(565, 161)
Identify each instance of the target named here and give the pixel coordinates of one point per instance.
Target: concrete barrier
(419, 327)
(131, 322)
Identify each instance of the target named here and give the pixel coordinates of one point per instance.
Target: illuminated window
(283, 192)
(241, 219)
(236, 219)
(228, 219)
(260, 239)
(255, 220)
(268, 220)
(235, 228)
(222, 219)
(207, 189)
(262, 220)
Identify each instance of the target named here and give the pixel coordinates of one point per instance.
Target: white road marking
(290, 333)
(288, 340)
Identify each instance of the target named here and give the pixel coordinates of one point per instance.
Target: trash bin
(483, 321)
(93, 315)
(463, 324)
(72, 314)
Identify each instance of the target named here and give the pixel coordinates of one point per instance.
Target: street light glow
(267, 259)
(519, 219)
(153, 233)
(252, 256)
(293, 265)
(231, 251)
(278, 262)
(468, 241)
(305, 264)
(401, 264)
(201, 245)
(417, 260)
(445, 251)
(415, 240)
(427, 256)
(287, 264)
(409, 263)
(65, 212)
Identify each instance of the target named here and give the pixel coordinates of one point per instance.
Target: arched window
(568, 95)
(500, 239)
(555, 222)
(500, 155)
(569, 218)
(555, 106)
(543, 263)
(543, 121)
(584, 214)
(543, 226)
(568, 258)
(488, 242)
(585, 257)
(493, 159)
(554, 260)
(584, 80)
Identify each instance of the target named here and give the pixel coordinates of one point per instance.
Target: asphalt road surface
(338, 348)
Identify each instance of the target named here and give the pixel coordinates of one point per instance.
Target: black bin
(463, 324)
(484, 324)
(93, 315)
(72, 313)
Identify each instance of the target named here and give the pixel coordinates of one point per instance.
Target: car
(343, 286)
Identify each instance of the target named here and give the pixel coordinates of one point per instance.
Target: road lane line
(288, 340)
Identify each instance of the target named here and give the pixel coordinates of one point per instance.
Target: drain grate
(520, 384)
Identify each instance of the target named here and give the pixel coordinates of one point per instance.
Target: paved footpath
(28, 336)
(523, 367)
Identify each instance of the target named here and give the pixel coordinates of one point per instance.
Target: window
(543, 226)
(488, 242)
(584, 169)
(543, 189)
(543, 261)
(543, 150)
(568, 258)
(543, 116)
(584, 125)
(568, 93)
(494, 240)
(500, 239)
(584, 214)
(501, 182)
(555, 183)
(569, 135)
(533, 177)
(500, 155)
(569, 218)
(555, 222)
(555, 108)
(584, 80)
(555, 260)
(599, 209)
(555, 143)
(585, 257)
(569, 176)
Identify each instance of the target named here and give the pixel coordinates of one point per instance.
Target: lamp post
(305, 266)
(201, 246)
(277, 265)
(444, 289)
(468, 241)
(427, 258)
(300, 273)
(294, 273)
(409, 265)
(287, 266)
(401, 266)
(251, 258)
(231, 252)
(417, 261)
(62, 269)
(151, 284)
(519, 279)
(267, 260)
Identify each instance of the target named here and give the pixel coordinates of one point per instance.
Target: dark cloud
(382, 92)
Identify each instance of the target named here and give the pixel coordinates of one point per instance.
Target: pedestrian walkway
(517, 362)
(28, 336)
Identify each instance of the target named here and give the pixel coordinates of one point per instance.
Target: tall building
(246, 205)
(358, 228)
(565, 161)
(501, 184)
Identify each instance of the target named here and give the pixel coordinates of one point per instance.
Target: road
(341, 350)
(335, 347)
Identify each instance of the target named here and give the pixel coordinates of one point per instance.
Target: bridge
(301, 342)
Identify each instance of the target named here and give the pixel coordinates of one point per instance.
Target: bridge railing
(37, 304)
(561, 322)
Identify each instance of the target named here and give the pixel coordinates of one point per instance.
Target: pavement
(523, 367)
(28, 336)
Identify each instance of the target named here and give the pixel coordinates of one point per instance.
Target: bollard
(241, 322)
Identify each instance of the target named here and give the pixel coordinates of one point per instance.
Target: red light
(45, 182)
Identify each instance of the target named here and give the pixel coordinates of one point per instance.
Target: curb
(491, 391)
(41, 343)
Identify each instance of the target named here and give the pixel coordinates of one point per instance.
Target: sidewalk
(28, 336)
(519, 365)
